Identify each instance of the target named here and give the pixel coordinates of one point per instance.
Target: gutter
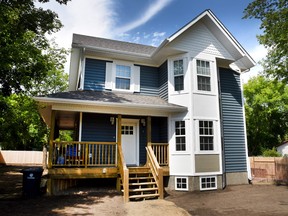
(173, 108)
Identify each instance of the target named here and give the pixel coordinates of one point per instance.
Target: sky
(149, 22)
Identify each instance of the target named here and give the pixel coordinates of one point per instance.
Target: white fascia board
(105, 50)
(108, 104)
(230, 37)
(187, 26)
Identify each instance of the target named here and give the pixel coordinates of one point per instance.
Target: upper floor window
(178, 75)
(203, 75)
(123, 77)
(206, 135)
(180, 136)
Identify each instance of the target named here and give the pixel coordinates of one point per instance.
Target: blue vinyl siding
(97, 127)
(94, 78)
(163, 81)
(149, 80)
(159, 130)
(233, 122)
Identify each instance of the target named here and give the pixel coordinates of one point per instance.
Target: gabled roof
(111, 45)
(156, 55)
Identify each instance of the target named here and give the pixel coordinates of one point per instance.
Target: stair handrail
(156, 170)
(124, 172)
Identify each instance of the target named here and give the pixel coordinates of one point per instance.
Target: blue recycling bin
(31, 181)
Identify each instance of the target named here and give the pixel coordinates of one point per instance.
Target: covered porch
(129, 146)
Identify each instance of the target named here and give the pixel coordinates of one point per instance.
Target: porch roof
(111, 99)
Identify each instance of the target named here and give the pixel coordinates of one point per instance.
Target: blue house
(152, 117)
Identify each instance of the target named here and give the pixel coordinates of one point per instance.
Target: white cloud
(99, 18)
(152, 10)
(89, 17)
(257, 53)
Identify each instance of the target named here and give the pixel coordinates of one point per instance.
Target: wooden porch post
(51, 138)
(119, 130)
(149, 131)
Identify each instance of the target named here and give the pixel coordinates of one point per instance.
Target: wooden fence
(269, 169)
(8, 157)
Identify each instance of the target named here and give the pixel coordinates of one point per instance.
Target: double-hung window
(203, 75)
(206, 135)
(123, 77)
(178, 68)
(180, 136)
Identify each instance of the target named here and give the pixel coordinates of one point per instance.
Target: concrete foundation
(237, 178)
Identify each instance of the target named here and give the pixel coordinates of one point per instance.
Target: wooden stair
(142, 184)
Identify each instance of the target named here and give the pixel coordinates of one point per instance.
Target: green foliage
(30, 65)
(21, 126)
(65, 135)
(270, 152)
(25, 52)
(266, 109)
(273, 15)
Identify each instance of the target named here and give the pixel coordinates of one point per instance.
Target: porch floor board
(82, 173)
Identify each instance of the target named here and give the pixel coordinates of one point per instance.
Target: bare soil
(237, 200)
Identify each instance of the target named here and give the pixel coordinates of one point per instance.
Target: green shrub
(270, 153)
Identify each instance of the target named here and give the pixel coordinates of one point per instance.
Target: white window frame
(205, 74)
(178, 75)
(207, 135)
(180, 135)
(213, 75)
(123, 77)
(216, 137)
(176, 185)
(207, 177)
(171, 77)
(110, 79)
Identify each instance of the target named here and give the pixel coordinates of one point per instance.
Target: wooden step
(143, 189)
(142, 183)
(142, 170)
(144, 196)
(141, 178)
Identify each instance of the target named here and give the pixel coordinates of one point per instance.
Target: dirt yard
(237, 200)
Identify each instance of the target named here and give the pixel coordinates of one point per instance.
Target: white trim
(171, 84)
(82, 74)
(210, 188)
(80, 126)
(187, 183)
(108, 75)
(245, 133)
(213, 76)
(220, 26)
(216, 138)
(96, 104)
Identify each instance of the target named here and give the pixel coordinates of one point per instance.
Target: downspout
(245, 130)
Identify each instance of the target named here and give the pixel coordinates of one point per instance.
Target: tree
(24, 48)
(30, 64)
(273, 15)
(266, 109)
(21, 126)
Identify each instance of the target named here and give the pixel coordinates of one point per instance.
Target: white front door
(130, 141)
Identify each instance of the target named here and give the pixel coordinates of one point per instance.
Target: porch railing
(161, 152)
(156, 170)
(124, 173)
(84, 154)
